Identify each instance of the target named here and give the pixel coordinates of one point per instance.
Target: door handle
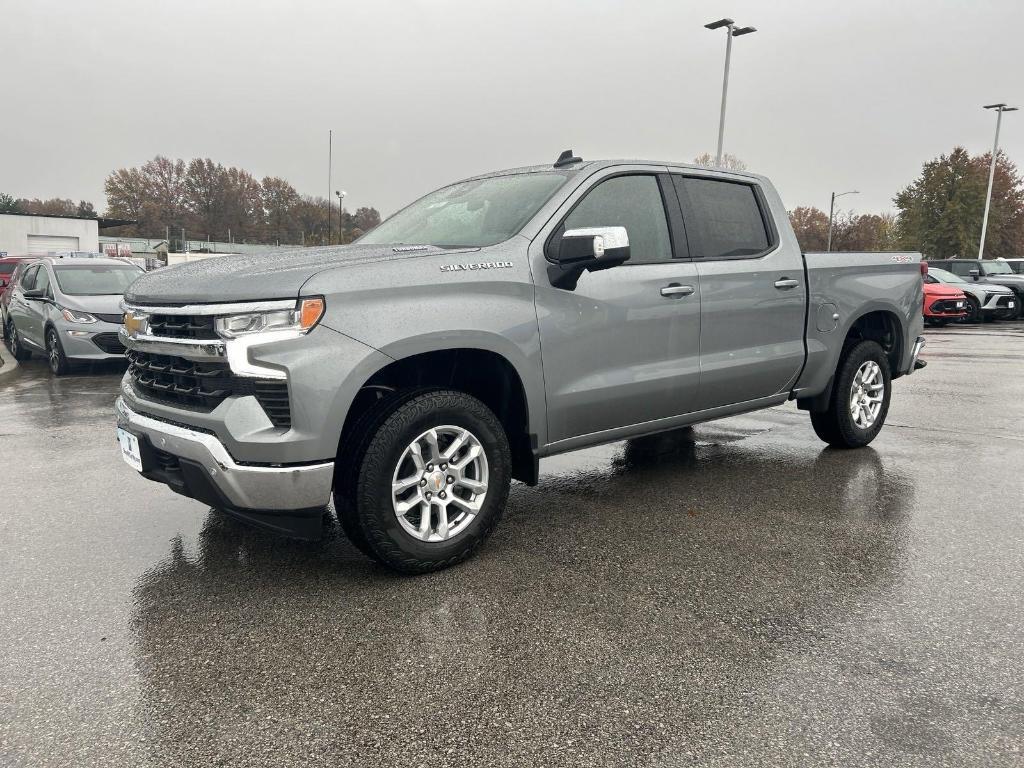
(786, 283)
(675, 289)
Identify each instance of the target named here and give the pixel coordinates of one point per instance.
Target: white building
(27, 234)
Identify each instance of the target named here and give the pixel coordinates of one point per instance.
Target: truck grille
(183, 326)
(109, 343)
(204, 386)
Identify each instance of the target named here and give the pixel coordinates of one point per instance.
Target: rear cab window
(724, 219)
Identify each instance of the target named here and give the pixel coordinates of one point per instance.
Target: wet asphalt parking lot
(731, 595)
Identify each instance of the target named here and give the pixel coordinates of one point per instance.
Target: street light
(832, 210)
(999, 108)
(341, 212)
(731, 31)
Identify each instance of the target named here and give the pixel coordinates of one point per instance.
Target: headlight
(302, 319)
(74, 316)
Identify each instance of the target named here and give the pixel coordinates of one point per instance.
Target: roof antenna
(567, 158)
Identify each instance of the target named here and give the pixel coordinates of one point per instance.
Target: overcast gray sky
(826, 96)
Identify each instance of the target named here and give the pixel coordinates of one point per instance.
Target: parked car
(1017, 265)
(985, 301)
(496, 321)
(68, 309)
(943, 304)
(10, 268)
(993, 271)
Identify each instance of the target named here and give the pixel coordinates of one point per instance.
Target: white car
(985, 301)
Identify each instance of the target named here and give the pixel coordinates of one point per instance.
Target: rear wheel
(860, 398)
(14, 342)
(59, 364)
(433, 474)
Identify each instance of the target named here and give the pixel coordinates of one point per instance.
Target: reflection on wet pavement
(731, 594)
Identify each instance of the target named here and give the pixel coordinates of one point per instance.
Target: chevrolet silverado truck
(508, 317)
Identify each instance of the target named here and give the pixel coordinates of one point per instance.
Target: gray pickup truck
(502, 319)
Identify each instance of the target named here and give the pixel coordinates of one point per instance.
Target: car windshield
(470, 214)
(945, 277)
(997, 268)
(95, 279)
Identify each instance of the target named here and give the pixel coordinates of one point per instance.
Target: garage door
(40, 245)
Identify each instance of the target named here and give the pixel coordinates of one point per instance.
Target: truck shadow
(663, 583)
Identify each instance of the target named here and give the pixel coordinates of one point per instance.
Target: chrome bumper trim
(238, 307)
(246, 487)
(914, 354)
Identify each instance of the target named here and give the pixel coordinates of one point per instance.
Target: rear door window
(723, 218)
(961, 268)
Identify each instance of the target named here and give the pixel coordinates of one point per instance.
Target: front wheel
(432, 482)
(973, 311)
(59, 363)
(860, 398)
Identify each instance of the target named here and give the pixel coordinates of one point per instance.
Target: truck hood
(258, 276)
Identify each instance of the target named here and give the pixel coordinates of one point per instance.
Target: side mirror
(600, 247)
(975, 273)
(35, 293)
(587, 249)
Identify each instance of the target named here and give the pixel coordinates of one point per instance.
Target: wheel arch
(484, 373)
(877, 323)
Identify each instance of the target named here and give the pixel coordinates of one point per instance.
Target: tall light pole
(831, 213)
(341, 212)
(999, 108)
(731, 31)
(330, 159)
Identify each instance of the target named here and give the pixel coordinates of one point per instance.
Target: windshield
(95, 279)
(945, 277)
(470, 214)
(997, 268)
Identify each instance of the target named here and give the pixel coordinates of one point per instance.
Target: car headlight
(302, 319)
(76, 316)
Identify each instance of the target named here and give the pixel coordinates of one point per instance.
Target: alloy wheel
(866, 394)
(440, 483)
(53, 351)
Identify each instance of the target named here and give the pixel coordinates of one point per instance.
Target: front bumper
(95, 341)
(1000, 302)
(196, 464)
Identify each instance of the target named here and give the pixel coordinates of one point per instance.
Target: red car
(943, 303)
(8, 273)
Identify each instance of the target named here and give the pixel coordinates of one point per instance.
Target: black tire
(973, 311)
(367, 499)
(836, 425)
(14, 342)
(58, 361)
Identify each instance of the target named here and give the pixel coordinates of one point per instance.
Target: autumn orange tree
(211, 201)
